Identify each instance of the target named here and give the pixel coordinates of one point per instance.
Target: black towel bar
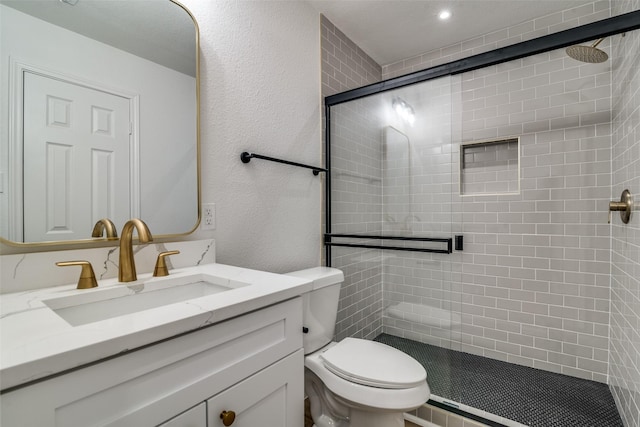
(246, 158)
(448, 241)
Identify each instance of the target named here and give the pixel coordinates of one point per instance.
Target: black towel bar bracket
(246, 158)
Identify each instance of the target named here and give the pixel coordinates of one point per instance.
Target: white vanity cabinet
(194, 417)
(251, 364)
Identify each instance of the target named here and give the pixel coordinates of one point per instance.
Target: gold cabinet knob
(161, 266)
(227, 417)
(87, 278)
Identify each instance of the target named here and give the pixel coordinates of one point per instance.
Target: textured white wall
(260, 92)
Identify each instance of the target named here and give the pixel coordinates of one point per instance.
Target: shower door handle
(459, 243)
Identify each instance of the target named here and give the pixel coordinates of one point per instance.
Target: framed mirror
(99, 118)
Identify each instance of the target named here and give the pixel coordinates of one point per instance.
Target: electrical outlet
(208, 221)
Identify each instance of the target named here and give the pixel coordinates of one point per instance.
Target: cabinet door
(194, 417)
(272, 397)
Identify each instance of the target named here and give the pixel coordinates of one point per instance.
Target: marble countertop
(35, 342)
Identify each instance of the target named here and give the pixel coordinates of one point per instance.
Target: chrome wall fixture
(623, 206)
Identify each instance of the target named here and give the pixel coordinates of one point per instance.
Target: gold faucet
(105, 224)
(127, 266)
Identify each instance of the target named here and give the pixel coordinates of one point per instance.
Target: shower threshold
(508, 394)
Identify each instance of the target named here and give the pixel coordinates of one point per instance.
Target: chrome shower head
(590, 54)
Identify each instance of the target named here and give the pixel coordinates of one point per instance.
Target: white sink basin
(98, 304)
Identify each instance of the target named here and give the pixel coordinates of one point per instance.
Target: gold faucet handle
(87, 278)
(161, 266)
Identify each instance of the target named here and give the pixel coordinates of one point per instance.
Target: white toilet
(354, 382)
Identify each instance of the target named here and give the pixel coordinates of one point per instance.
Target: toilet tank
(319, 306)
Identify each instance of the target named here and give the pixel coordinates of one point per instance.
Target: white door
(76, 159)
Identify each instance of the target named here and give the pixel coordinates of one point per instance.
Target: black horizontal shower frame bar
(595, 30)
(606, 27)
(448, 241)
(246, 158)
(389, 248)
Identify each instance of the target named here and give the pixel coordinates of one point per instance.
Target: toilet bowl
(354, 382)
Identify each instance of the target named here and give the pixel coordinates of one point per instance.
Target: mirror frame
(101, 242)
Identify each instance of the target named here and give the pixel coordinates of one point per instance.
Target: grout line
(419, 421)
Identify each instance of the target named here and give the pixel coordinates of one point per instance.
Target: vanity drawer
(153, 384)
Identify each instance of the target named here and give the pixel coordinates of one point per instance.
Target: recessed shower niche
(490, 167)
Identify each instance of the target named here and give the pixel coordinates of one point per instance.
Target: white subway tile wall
(357, 183)
(624, 361)
(344, 65)
(443, 418)
(356, 204)
(418, 299)
(490, 167)
(521, 32)
(532, 285)
(534, 278)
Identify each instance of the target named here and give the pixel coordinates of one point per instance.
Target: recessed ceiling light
(444, 15)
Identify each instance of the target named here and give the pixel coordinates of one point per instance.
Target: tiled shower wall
(524, 31)
(356, 204)
(534, 272)
(345, 66)
(419, 302)
(624, 366)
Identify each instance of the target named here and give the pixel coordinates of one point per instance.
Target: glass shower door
(392, 177)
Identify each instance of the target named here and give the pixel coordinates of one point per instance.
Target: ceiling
(387, 30)
(392, 30)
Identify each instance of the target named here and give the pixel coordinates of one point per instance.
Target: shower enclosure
(464, 204)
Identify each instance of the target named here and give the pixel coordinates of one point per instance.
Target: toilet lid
(373, 364)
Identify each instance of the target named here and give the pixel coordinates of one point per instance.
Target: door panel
(76, 158)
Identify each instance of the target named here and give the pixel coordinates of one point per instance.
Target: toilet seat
(373, 364)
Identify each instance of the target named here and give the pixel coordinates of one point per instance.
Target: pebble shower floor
(529, 396)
